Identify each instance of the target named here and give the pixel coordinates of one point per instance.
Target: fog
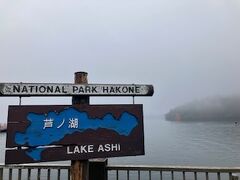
(187, 49)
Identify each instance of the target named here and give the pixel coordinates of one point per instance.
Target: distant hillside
(210, 109)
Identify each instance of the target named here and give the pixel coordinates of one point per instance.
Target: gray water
(195, 143)
(181, 143)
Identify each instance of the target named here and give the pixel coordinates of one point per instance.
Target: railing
(172, 173)
(116, 172)
(34, 172)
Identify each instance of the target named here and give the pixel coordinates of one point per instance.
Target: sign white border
(58, 89)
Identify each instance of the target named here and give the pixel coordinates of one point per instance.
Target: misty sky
(187, 49)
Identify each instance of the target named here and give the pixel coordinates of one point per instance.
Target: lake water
(181, 143)
(195, 143)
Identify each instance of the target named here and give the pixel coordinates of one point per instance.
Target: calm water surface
(181, 143)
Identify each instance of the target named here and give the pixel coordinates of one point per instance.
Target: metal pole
(80, 169)
(20, 100)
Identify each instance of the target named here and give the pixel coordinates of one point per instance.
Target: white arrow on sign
(55, 89)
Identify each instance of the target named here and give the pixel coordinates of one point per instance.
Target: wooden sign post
(76, 132)
(79, 169)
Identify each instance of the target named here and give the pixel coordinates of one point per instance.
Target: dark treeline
(209, 109)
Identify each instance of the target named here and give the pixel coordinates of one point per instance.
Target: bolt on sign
(54, 89)
(76, 132)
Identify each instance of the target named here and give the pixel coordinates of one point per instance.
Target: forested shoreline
(209, 109)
